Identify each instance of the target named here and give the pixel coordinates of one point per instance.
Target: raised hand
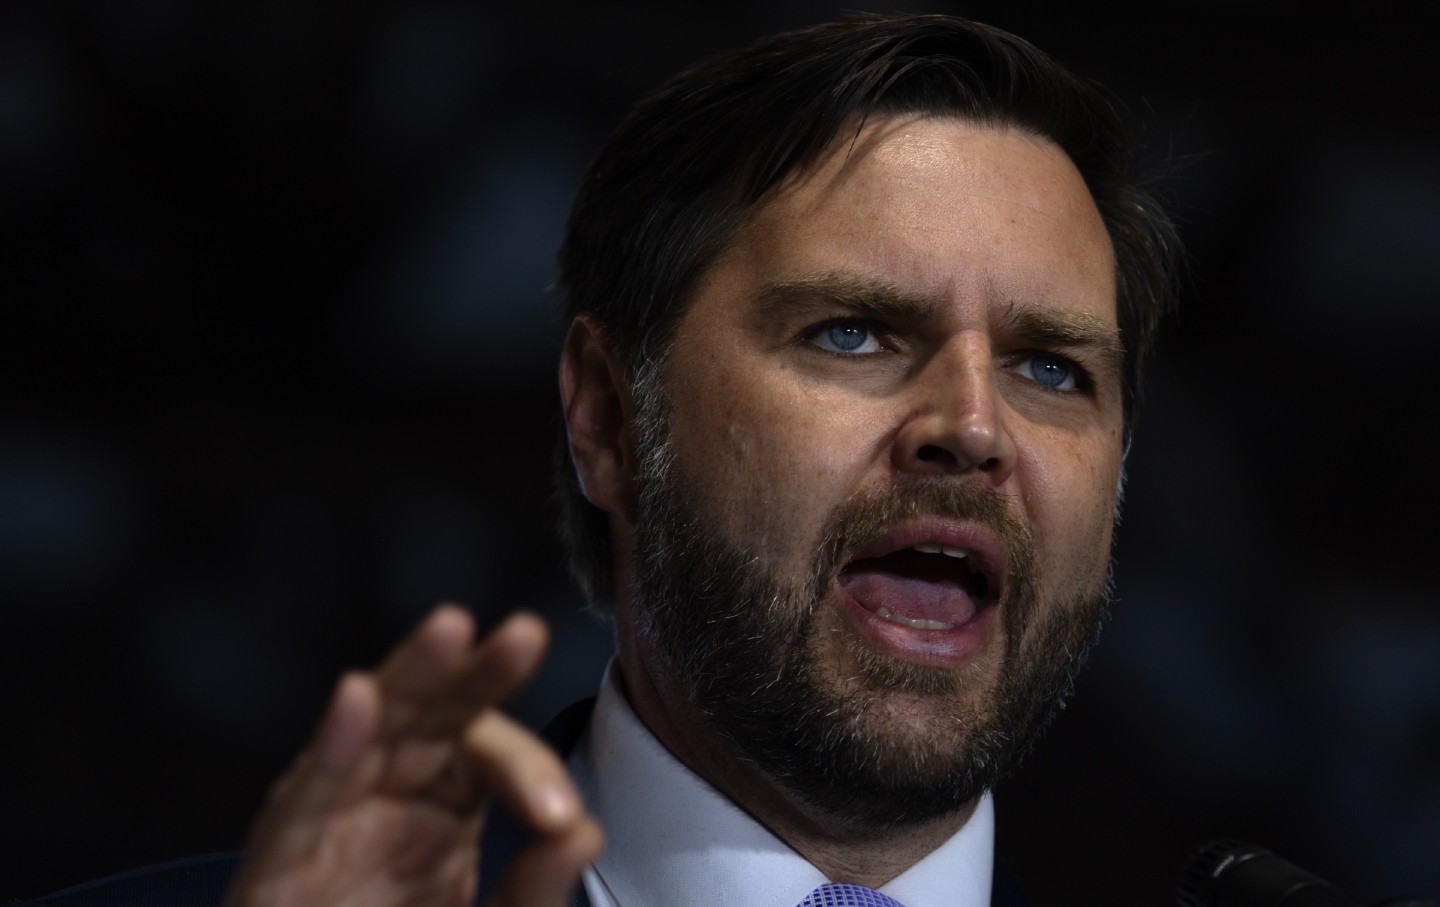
(385, 806)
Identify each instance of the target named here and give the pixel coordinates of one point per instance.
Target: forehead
(941, 208)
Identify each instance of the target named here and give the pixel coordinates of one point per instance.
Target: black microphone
(1229, 873)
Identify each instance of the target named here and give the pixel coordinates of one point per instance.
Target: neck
(843, 851)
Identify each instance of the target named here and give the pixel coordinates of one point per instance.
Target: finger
(424, 663)
(350, 725)
(363, 705)
(546, 873)
(513, 764)
(421, 734)
(324, 776)
(327, 768)
(507, 658)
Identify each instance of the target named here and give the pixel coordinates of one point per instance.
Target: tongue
(912, 595)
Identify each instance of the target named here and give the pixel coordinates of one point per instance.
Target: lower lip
(953, 648)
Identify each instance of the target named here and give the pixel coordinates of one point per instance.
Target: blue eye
(846, 337)
(1054, 372)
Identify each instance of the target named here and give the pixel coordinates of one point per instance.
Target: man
(857, 322)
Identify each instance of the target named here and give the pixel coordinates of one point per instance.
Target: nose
(956, 423)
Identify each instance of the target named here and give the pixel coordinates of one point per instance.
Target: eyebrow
(1061, 328)
(870, 297)
(1037, 324)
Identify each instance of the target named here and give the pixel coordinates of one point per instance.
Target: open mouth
(925, 586)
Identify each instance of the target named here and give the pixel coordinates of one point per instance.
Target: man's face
(877, 495)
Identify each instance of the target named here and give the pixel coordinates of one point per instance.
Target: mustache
(873, 513)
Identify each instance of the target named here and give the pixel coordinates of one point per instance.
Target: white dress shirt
(672, 840)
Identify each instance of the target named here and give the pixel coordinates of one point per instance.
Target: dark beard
(741, 641)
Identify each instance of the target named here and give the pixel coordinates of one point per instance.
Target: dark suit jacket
(201, 881)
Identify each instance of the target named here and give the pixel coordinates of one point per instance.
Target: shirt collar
(672, 839)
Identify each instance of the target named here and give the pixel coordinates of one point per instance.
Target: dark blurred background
(276, 363)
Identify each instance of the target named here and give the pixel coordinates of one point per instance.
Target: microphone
(1229, 873)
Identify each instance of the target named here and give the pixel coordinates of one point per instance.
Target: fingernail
(554, 805)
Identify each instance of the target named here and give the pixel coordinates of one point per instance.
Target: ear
(599, 415)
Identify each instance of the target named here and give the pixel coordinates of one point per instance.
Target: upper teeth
(942, 549)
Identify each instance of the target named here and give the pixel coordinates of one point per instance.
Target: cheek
(769, 463)
(1069, 493)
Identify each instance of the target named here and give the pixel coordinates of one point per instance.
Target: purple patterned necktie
(848, 896)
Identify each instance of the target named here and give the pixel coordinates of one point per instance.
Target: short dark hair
(692, 162)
